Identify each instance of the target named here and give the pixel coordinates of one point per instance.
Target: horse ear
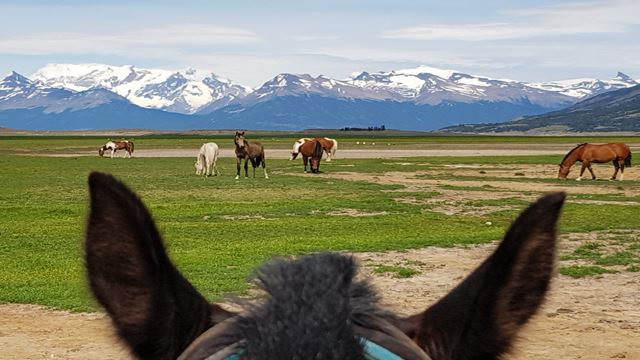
(480, 317)
(155, 310)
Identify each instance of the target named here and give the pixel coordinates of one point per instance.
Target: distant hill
(617, 110)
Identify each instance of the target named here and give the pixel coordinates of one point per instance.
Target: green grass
(582, 271)
(396, 271)
(218, 229)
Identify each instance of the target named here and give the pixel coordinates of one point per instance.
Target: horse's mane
(317, 150)
(313, 301)
(572, 150)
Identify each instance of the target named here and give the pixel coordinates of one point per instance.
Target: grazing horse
(117, 145)
(618, 153)
(314, 307)
(311, 149)
(249, 151)
(330, 146)
(207, 159)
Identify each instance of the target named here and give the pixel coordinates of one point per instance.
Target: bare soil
(587, 318)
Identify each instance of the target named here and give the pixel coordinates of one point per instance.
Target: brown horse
(249, 151)
(314, 307)
(618, 153)
(117, 145)
(311, 149)
(330, 146)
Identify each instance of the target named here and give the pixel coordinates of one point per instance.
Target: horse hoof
(237, 177)
(578, 179)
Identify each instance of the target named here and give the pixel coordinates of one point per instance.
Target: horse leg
(113, 151)
(582, 169)
(264, 169)
(254, 164)
(305, 160)
(208, 168)
(593, 176)
(215, 167)
(621, 164)
(328, 155)
(238, 161)
(616, 166)
(246, 168)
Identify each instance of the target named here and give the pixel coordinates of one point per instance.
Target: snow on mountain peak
(423, 69)
(185, 91)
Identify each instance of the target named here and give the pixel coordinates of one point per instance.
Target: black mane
(569, 153)
(313, 303)
(317, 150)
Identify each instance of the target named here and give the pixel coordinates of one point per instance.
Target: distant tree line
(370, 128)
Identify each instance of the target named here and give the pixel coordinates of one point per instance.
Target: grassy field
(10, 144)
(218, 229)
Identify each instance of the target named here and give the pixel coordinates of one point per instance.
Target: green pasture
(44, 144)
(218, 229)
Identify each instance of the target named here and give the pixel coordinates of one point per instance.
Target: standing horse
(207, 159)
(618, 153)
(315, 307)
(330, 146)
(311, 149)
(117, 145)
(249, 151)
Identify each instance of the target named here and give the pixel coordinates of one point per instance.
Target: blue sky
(252, 41)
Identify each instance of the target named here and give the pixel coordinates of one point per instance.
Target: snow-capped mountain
(432, 86)
(27, 104)
(422, 98)
(184, 91)
(18, 92)
(587, 87)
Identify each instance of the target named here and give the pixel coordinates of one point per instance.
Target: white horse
(207, 159)
(330, 147)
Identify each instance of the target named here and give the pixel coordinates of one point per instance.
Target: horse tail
(627, 161)
(131, 143)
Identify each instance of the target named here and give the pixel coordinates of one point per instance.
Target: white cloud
(149, 41)
(601, 17)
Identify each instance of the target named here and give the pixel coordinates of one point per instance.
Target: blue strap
(372, 351)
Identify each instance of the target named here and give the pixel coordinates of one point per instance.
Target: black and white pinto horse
(117, 145)
(315, 307)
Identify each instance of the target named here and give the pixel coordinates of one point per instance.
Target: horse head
(315, 307)
(239, 140)
(316, 156)
(563, 171)
(101, 150)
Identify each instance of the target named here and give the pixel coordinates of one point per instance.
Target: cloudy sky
(252, 41)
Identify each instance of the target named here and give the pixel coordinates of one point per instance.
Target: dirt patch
(354, 213)
(587, 318)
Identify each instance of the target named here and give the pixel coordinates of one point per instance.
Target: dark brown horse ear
(481, 316)
(155, 310)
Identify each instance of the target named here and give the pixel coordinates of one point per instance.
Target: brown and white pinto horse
(330, 146)
(314, 307)
(618, 153)
(249, 151)
(117, 145)
(311, 149)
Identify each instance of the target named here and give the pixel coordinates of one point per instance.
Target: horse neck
(574, 155)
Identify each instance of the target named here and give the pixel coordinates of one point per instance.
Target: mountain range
(617, 110)
(96, 96)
